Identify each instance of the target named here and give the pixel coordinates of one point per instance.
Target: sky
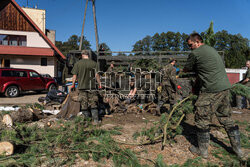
(121, 23)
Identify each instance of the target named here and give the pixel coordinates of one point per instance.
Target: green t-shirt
(247, 75)
(208, 65)
(85, 70)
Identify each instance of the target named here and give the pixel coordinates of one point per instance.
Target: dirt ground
(174, 153)
(26, 98)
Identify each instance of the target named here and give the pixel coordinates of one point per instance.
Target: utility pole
(95, 24)
(96, 33)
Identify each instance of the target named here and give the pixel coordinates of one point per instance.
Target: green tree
(72, 44)
(237, 54)
(149, 64)
(105, 48)
(209, 36)
(184, 44)
(169, 41)
(172, 41)
(143, 45)
(236, 48)
(222, 39)
(159, 42)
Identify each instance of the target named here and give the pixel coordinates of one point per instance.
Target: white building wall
(33, 38)
(32, 62)
(38, 16)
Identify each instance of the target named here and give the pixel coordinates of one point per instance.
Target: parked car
(13, 81)
(46, 75)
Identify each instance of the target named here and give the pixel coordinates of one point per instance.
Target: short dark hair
(85, 52)
(194, 36)
(172, 59)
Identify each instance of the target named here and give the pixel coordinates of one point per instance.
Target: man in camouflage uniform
(111, 67)
(112, 75)
(213, 97)
(169, 86)
(85, 72)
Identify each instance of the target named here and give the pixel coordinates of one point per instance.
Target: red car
(13, 81)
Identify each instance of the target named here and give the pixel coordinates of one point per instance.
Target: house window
(43, 61)
(14, 40)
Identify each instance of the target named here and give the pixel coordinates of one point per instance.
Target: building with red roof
(23, 44)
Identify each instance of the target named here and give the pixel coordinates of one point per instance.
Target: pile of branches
(239, 89)
(63, 144)
(169, 126)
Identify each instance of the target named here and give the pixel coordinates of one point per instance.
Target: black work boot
(159, 106)
(203, 138)
(171, 107)
(95, 116)
(86, 113)
(102, 112)
(143, 100)
(234, 136)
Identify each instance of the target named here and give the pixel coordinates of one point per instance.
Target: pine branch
(169, 117)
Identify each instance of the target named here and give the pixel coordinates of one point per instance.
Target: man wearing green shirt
(85, 72)
(213, 97)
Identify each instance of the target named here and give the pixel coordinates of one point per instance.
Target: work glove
(100, 87)
(159, 88)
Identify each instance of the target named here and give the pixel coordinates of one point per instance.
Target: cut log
(6, 148)
(7, 120)
(21, 116)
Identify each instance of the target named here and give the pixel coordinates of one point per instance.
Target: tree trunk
(21, 116)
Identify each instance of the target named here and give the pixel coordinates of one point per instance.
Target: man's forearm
(245, 81)
(73, 80)
(97, 76)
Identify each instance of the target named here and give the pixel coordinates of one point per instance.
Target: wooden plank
(13, 19)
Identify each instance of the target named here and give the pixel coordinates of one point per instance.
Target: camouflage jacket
(169, 76)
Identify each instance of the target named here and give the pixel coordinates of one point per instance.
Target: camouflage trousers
(88, 99)
(213, 103)
(167, 94)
